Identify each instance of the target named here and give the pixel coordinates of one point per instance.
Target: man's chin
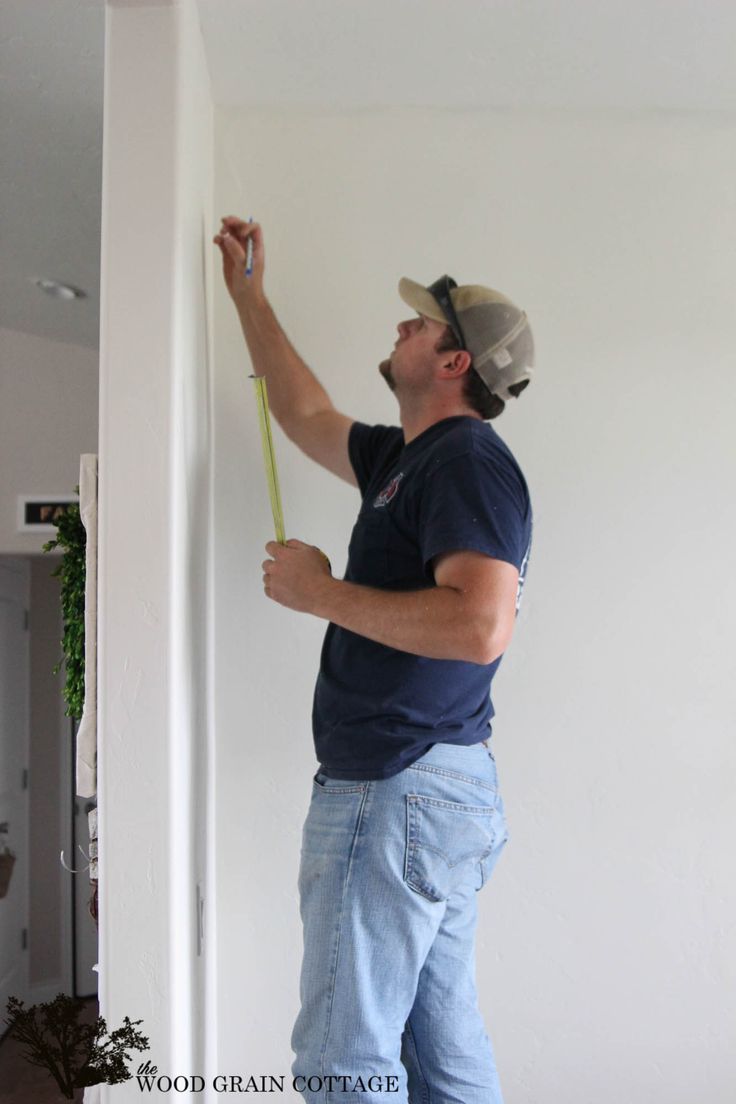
(385, 369)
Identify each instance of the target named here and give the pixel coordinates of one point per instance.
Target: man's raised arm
(297, 399)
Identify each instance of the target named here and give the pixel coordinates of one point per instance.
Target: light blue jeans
(388, 883)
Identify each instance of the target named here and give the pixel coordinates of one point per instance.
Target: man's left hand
(295, 575)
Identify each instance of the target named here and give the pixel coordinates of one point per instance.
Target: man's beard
(385, 369)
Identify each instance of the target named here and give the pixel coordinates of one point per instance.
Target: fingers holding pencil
(243, 256)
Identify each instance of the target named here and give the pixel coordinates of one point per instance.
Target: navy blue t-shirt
(456, 486)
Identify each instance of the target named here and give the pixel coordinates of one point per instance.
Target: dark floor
(22, 1083)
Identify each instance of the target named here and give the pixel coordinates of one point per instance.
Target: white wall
(602, 947)
(154, 532)
(48, 418)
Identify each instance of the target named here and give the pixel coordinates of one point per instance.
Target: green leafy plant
(72, 537)
(72, 1052)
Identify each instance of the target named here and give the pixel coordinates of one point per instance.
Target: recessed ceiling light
(60, 291)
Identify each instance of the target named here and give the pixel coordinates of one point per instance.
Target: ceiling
(666, 55)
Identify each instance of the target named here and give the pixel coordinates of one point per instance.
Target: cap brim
(420, 300)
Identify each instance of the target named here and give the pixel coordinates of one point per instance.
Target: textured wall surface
(602, 942)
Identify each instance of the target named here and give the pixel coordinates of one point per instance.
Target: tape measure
(269, 457)
(269, 461)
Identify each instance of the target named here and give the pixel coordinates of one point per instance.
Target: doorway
(48, 937)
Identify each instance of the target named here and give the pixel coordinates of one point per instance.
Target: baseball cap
(489, 326)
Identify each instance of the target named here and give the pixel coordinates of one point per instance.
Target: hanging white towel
(87, 733)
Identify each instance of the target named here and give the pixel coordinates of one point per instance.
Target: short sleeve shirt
(454, 487)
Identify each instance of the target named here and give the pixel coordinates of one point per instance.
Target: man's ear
(457, 364)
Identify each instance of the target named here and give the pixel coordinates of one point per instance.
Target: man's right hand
(297, 399)
(233, 242)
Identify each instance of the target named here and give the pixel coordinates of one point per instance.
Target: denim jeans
(388, 883)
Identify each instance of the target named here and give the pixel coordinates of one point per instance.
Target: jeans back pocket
(446, 842)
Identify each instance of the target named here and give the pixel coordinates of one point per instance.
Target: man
(406, 820)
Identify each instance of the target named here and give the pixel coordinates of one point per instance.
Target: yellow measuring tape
(269, 457)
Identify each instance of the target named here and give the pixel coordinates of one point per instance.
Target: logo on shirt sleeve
(388, 491)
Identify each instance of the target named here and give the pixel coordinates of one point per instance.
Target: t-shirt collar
(433, 429)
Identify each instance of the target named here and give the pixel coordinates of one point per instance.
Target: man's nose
(403, 328)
